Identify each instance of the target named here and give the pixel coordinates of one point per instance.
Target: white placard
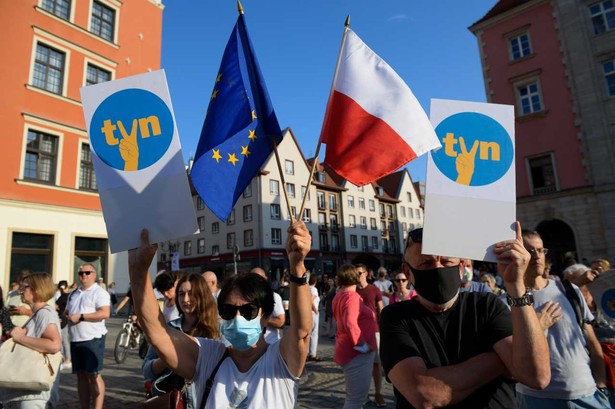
(470, 199)
(602, 290)
(138, 161)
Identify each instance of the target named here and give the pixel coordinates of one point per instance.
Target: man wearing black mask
(446, 348)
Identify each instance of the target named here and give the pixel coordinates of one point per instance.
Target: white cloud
(397, 17)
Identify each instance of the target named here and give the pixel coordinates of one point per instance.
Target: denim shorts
(596, 401)
(87, 356)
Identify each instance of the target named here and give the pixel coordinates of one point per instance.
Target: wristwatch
(297, 280)
(525, 299)
(81, 318)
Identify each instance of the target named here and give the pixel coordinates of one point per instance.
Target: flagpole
(277, 159)
(337, 66)
(239, 7)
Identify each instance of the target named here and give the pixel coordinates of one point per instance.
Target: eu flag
(239, 128)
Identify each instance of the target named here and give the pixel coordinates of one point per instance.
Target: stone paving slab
(321, 387)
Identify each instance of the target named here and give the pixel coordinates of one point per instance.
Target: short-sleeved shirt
(475, 323)
(371, 295)
(87, 301)
(275, 334)
(267, 384)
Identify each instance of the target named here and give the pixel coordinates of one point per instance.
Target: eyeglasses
(416, 235)
(400, 280)
(87, 273)
(537, 252)
(248, 311)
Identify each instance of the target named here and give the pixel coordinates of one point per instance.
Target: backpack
(566, 287)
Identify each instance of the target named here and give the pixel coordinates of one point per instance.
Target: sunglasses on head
(248, 311)
(416, 235)
(87, 273)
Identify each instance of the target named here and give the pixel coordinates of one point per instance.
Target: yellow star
(216, 155)
(232, 158)
(245, 151)
(252, 135)
(214, 94)
(253, 115)
(218, 77)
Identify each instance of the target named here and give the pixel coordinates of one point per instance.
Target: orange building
(50, 214)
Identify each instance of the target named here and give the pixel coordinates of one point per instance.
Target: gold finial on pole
(239, 7)
(346, 23)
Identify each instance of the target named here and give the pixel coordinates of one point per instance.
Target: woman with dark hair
(355, 339)
(42, 334)
(198, 318)
(250, 373)
(402, 292)
(6, 325)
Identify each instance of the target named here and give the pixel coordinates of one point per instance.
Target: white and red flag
(374, 124)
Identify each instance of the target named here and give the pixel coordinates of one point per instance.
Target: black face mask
(437, 285)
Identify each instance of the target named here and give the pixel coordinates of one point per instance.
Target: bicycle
(130, 337)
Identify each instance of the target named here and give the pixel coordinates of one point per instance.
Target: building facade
(555, 61)
(50, 214)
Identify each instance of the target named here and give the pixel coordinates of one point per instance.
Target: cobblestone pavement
(321, 387)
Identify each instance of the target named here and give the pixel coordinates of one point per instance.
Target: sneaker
(379, 400)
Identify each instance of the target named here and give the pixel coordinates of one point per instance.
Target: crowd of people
(442, 331)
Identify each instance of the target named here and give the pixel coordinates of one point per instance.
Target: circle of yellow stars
(232, 157)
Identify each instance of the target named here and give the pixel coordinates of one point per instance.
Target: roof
(499, 8)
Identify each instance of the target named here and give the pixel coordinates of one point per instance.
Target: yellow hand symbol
(465, 162)
(129, 149)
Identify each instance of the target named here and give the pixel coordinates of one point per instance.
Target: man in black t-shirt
(446, 348)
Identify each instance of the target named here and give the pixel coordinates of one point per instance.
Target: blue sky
(296, 43)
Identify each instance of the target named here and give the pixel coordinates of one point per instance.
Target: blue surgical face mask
(241, 333)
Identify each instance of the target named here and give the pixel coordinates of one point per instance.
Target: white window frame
(526, 85)
(517, 38)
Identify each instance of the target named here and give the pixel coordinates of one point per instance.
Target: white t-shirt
(275, 334)
(383, 286)
(267, 384)
(87, 301)
(314, 292)
(170, 313)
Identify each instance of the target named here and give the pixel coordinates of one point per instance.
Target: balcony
(334, 227)
(385, 233)
(323, 227)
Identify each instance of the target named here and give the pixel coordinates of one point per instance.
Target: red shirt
(371, 295)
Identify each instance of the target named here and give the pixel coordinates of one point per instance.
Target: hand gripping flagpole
(315, 163)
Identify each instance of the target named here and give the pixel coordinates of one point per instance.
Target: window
(293, 211)
(335, 242)
(41, 157)
(248, 191)
(381, 208)
(87, 177)
(274, 188)
(187, 248)
(96, 75)
(230, 240)
(332, 202)
(404, 227)
(372, 224)
(323, 242)
(352, 222)
(609, 75)
(351, 202)
(403, 211)
(31, 251)
(372, 206)
(215, 250)
(215, 228)
(200, 204)
(60, 8)
(290, 189)
(542, 174)
(201, 222)
(364, 243)
(361, 203)
(417, 213)
(322, 219)
(321, 200)
(320, 176)
(200, 246)
(363, 221)
(379, 191)
(276, 236)
(289, 167)
(353, 241)
(374, 242)
(389, 211)
(410, 213)
(248, 238)
(303, 191)
(48, 69)
(103, 21)
(231, 218)
(409, 196)
(247, 213)
(275, 211)
(519, 46)
(603, 16)
(333, 221)
(529, 98)
(89, 250)
(307, 215)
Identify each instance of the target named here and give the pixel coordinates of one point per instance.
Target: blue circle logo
(131, 129)
(608, 302)
(476, 149)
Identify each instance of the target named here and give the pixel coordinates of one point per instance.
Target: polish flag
(374, 124)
